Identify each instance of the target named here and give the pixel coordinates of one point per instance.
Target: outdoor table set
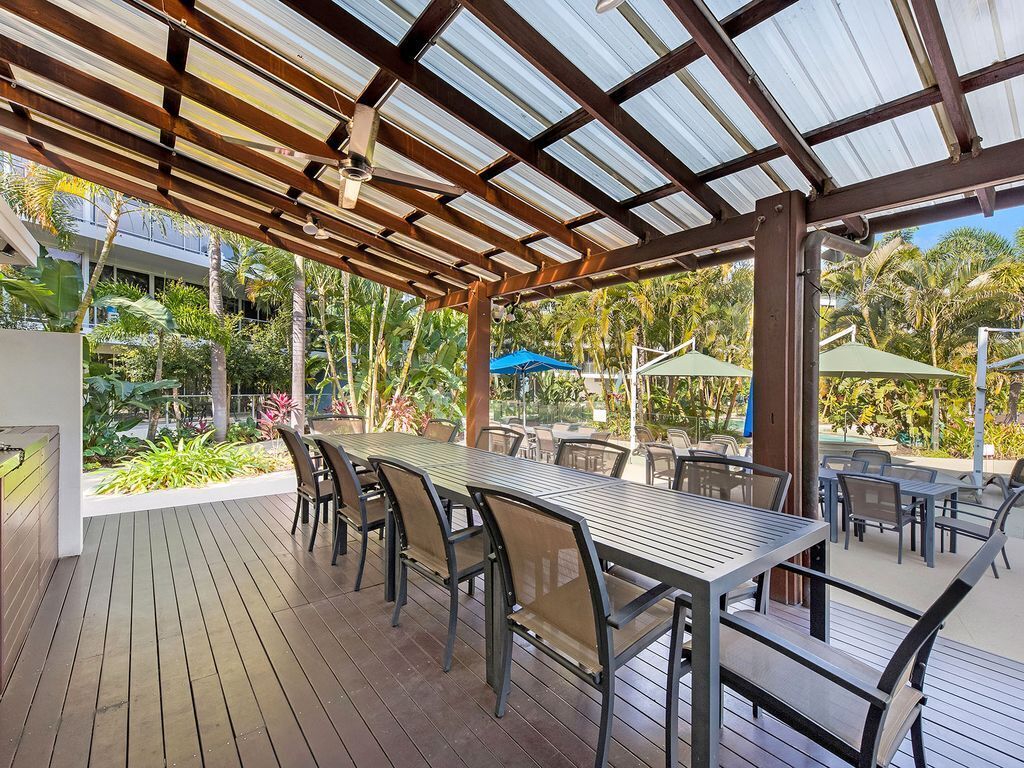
(929, 493)
(703, 546)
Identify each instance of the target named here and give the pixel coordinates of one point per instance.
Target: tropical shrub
(110, 408)
(247, 431)
(276, 408)
(188, 464)
(1007, 439)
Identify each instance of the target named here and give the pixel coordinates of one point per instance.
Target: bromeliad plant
(276, 408)
(188, 464)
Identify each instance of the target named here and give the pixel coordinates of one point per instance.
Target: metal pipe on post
(634, 373)
(980, 390)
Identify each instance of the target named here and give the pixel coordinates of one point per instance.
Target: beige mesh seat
(426, 542)
(364, 509)
(984, 522)
(732, 479)
(858, 712)
(876, 500)
(544, 447)
(661, 464)
(591, 455)
(312, 487)
(557, 599)
(499, 440)
(678, 439)
(441, 430)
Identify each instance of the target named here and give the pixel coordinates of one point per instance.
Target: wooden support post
(778, 350)
(478, 361)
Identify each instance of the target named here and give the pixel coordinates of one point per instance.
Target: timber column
(478, 361)
(778, 350)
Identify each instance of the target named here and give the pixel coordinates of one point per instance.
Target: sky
(1005, 223)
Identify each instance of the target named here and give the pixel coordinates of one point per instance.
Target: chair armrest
(628, 612)
(830, 672)
(961, 511)
(465, 533)
(323, 472)
(853, 589)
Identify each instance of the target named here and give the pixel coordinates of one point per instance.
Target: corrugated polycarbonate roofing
(821, 60)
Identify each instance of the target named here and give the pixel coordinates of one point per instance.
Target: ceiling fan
(357, 166)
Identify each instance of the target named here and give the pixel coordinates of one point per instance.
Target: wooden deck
(206, 635)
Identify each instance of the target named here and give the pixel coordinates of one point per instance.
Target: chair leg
(403, 584)
(453, 620)
(917, 742)
(913, 536)
(365, 537)
(994, 571)
(506, 674)
(846, 543)
(604, 736)
(340, 540)
(298, 509)
(899, 553)
(471, 586)
(675, 672)
(316, 523)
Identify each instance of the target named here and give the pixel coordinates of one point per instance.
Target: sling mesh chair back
(591, 455)
(499, 440)
(441, 430)
(312, 486)
(907, 472)
(678, 439)
(850, 708)
(875, 457)
(1016, 479)
(730, 441)
(710, 446)
(426, 542)
(983, 522)
(356, 505)
(557, 598)
(545, 444)
(661, 463)
(875, 500)
(338, 424)
(643, 437)
(733, 479)
(844, 464)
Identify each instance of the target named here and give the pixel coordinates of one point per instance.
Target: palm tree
(299, 343)
(218, 352)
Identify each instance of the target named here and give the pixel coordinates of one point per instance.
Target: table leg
(928, 535)
(494, 638)
(390, 555)
(952, 533)
(820, 609)
(705, 687)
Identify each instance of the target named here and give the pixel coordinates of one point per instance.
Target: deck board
(208, 636)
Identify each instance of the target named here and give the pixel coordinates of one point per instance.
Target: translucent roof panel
(741, 190)
(989, 31)
(789, 173)
(481, 65)
(608, 233)
(438, 128)
(492, 216)
(222, 73)
(555, 249)
(998, 112)
(296, 39)
(605, 46)
(443, 228)
(673, 213)
(823, 60)
(78, 58)
(385, 157)
(242, 171)
(378, 197)
(391, 18)
(119, 18)
(539, 190)
(603, 159)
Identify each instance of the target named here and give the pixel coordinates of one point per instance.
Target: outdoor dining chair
(731, 478)
(643, 436)
(337, 424)
(730, 441)
(849, 707)
(426, 542)
(678, 439)
(876, 500)
(661, 463)
(499, 440)
(591, 455)
(313, 487)
(990, 522)
(875, 457)
(844, 464)
(544, 447)
(362, 508)
(557, 598)
(441, 430)
(711, 446)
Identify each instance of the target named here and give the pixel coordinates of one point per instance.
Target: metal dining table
(930, 493)
(703, 546)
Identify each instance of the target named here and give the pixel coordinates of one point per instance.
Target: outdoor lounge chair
(499, 440)
(876, 500)
(426, 542)
(592, 455)
(558, 600)
(848, 707)
(992, 522)
(313, 487)
(875, 457)
(661, 463)
(354, 504)
(441, 430)
(337, 424)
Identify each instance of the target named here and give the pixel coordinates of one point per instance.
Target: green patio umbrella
(695, 364)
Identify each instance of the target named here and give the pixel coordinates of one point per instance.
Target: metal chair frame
(996, 519)
(305, 495)
(904, 515)
(516, 436)
(453, 437)
(565, 446)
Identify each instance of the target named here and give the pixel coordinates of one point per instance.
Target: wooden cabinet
(28, 533)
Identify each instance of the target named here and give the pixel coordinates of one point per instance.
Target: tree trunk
(349, 370)
(378, 356)
(1014, 401)
(154, 412)
(332, 368)
(406, 367)
(299, 345)
(218, 355)
(113, 218)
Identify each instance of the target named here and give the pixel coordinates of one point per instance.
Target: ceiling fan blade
(385, 176)
(362, 132)
(607, 5)
(284, 151)
(350, 193)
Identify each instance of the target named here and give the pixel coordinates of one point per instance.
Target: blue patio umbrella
(748, 422)
(523, 362)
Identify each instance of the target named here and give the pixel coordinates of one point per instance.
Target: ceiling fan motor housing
(356, 168)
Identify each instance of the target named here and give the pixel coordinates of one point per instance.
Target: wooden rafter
(535, 48)
(367, 42)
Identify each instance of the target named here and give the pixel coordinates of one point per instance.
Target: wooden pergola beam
(535, 48)
(367, 42)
